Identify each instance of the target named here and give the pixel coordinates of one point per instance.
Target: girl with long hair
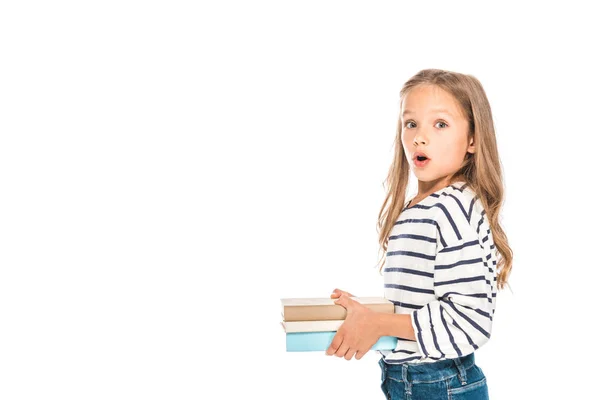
(446, 254)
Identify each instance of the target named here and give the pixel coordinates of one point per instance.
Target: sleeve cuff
(418, 327)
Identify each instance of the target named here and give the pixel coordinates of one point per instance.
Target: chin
(424, 177)
(429, 178)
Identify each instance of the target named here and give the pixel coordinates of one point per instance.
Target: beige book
(324, 308)
(312, 326)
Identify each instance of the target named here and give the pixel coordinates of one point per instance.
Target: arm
(396, 325)
(459, 321)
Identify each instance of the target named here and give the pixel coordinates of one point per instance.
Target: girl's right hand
(337, 293)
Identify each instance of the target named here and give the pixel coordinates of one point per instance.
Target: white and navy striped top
(441, 268)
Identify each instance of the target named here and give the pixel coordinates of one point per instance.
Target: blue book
(320, 341)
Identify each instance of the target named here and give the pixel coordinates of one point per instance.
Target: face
(432, 124)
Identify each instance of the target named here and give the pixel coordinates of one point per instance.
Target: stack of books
(310, 324)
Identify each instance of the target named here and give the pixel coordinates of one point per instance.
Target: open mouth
(421, 161)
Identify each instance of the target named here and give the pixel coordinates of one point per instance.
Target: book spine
(327, 312)
(312, 326)
(320, 341)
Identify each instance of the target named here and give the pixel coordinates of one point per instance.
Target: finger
(349, 354)
(343, 301)
(339, 302)
(338, 292)
(359, 355)
(342, 350)
(335, 344)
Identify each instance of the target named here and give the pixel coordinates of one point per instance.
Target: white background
(169, 171)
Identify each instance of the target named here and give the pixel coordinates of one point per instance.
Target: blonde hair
(481, 171)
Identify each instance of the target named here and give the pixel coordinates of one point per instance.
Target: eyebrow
(437, 110)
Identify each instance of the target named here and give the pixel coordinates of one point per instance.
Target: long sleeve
(460, 319)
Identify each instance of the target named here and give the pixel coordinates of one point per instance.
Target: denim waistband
(428, 372)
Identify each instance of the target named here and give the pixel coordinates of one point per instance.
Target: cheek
(406, 139)
(450, 154)
(457, 154)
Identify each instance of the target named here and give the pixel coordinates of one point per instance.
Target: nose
(419, 138)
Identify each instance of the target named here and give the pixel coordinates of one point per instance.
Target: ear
(471, 148)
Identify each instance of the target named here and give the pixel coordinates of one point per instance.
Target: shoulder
(456, 201)
(456, 207)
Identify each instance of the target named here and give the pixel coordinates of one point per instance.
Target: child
(447, 253)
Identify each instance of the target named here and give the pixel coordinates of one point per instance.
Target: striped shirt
(441, 269)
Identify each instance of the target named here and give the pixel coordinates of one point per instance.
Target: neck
(426, 188)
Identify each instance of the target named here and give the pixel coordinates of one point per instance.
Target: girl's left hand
(357, 334)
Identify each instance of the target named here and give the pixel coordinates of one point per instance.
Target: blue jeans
(456, 379)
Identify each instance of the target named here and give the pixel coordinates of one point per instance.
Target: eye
(442, 122)
(409, 122)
